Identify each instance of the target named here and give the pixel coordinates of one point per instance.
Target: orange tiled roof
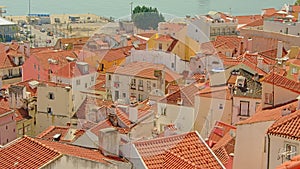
(59, 56)
(283, 82)
(77, 151)
(145, 70)
(227, 42)
(5, 61)
(143, 111)
(219, 131)
(178, 151)
(271, 114)
(186, 94)
(221, 92)
(224, 147)
(26, 152)
(101, 125)
(246, 19)
(71, 70)
(287, 126)
(48, 133)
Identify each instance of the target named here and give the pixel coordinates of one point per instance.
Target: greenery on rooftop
(146, 17)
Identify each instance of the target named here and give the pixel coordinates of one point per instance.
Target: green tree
(297, 2)
(146, 17)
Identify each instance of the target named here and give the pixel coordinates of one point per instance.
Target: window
(196, 30)
(10, 72)
(38, 77)
(109, 77)
(291, 150)
(221, 106)
(92, 78)
(78, 82)
(294, 70)
(6, 127)
(141, 85)
(160, 46)
(85, 85)
(133, 83)
(244, 108)
(164, 111)
(51, 96)
(116, 95)
(268, 98)
(34, 66)
(49, 110)
(124, 95)
(172, 65)
(38, 67)
(148, 86)
(154, 85)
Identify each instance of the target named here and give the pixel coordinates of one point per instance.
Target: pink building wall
(8, 126)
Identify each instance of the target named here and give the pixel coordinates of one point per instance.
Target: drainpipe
(268, 155)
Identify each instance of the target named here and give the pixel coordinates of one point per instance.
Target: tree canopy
(297, 2)
(146, 17)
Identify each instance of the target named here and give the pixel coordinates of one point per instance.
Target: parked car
(43, 30)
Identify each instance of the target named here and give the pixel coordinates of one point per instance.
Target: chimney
(133, 114)
(109, 140)
(260, 62)
(279, 49)
(250, 45)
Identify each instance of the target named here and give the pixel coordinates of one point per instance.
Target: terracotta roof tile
(71, 70)
(246, 19)
(271, 114)
(227, 42)
(59, 56)
(145, 70)
(67, 134)
(219, 131)
(179, 151)
(101, 125)
(26, 153)
(283, 82)
(287, 126)
(5, 61)
(221, 92)
(186, 94)
(76, 151)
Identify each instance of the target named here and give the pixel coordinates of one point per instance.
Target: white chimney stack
(109, 141)
(279, 49)
(133, 114)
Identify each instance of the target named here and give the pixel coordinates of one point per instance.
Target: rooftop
(144, 70)
(20, 154)
(67, 134)
(179, 151)
(287, 126)
(283, 82)
(270, 114)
